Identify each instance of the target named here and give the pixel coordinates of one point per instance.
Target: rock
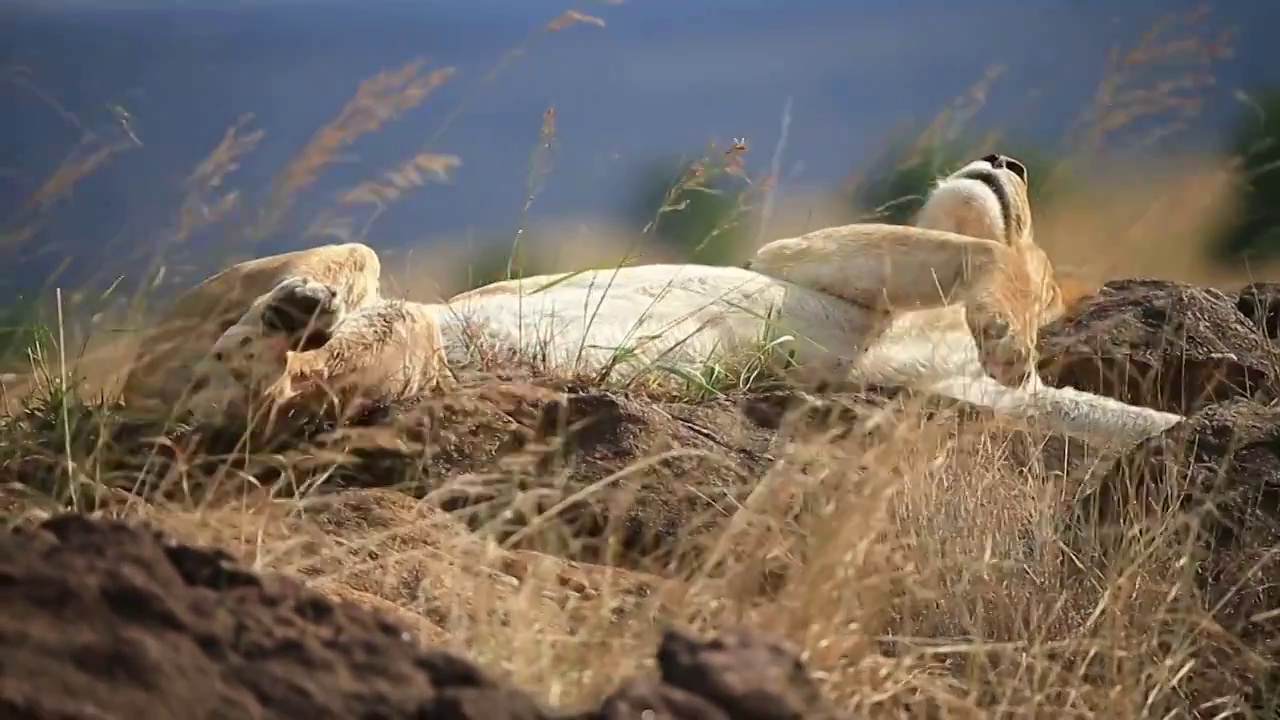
(1160, 344)
(736, 676)
(546, 465)
(583, 471)
(102, 619)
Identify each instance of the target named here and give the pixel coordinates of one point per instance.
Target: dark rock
(661, 470)
(1160, 344)
(641, 481)
(738, 676)
(101, 619)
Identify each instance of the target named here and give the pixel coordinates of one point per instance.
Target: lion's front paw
(1005, 353)
(304, 312)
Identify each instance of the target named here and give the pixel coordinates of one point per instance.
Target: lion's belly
(920, 347)
(692, 317)
(716, 316)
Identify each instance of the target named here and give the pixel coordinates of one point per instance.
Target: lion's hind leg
(250, 360)
(304, 339)
(352, 271)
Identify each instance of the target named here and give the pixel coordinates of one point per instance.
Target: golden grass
(203, 205)
(379, 100)
(926, 574)
(925, 569)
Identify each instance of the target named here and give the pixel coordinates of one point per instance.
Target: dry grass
(926, 571)
(379, 100)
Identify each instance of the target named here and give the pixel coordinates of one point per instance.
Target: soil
(103, 620)
(583, 472)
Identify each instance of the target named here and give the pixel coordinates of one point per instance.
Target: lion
(951, 304)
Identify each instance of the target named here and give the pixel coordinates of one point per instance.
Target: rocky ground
(430, 560)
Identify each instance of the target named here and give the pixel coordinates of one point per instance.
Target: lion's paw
(1006, 354)
(304, 312)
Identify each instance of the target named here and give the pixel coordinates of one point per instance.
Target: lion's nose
(1004, 162)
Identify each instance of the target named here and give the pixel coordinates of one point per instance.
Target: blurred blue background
(662, 77)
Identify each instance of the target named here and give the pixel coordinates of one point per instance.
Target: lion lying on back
(952, 304)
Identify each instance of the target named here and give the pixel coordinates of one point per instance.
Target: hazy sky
(664, 76)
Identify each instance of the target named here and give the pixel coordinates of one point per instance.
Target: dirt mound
(421, 565)
(105, 620)
(1210, 486)
(1165, 345)
(580, 471)
(1222, 467)
(113, 621)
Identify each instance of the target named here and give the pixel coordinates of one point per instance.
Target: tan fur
(994, 271)
(994, 274)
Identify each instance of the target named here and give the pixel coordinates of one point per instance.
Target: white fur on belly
(689, 316)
